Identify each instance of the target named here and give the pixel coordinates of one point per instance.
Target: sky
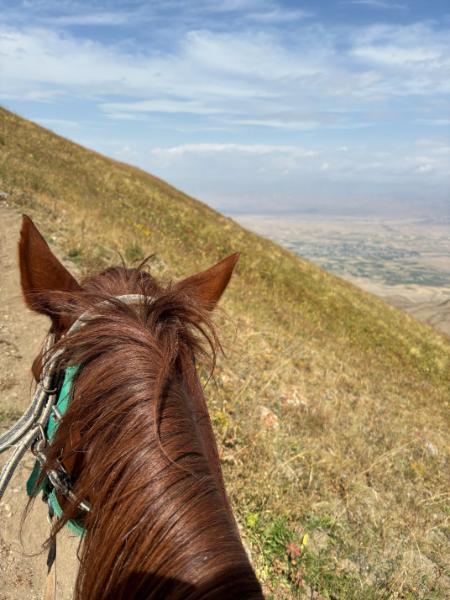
(253, 106)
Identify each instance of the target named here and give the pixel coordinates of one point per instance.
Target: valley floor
(406, 263)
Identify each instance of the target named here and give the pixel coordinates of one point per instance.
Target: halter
(36, 428)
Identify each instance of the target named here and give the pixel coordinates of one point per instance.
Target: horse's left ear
(208, 286)
(41, 273)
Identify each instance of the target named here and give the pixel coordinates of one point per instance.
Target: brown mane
(139, 443)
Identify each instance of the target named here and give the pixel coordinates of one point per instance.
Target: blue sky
(252, 106)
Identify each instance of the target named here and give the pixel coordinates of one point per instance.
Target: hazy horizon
(433, 212)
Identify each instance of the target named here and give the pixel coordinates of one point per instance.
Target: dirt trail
(22, 576)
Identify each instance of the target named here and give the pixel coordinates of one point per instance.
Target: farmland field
(407, 263)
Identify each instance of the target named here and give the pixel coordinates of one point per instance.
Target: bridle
(57, 480)
(37, 426)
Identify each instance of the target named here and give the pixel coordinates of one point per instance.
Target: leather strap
(50, 583)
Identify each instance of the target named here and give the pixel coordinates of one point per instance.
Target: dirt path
(22, 576)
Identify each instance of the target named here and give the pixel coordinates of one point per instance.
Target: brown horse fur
(137, 438)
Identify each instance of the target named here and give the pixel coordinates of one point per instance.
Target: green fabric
(32, 490)
(63, 401)
(52, 426)
(74, 526)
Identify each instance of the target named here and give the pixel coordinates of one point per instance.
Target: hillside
(331, 407)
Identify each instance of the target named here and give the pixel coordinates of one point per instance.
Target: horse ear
(208, 286)
(41, 272)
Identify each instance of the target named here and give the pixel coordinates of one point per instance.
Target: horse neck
(157, 527)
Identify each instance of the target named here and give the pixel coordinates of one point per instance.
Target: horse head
(136, 441)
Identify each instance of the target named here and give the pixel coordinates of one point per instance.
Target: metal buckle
(61, 482)
(50, 391)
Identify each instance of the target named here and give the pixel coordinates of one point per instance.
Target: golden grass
(331, 408)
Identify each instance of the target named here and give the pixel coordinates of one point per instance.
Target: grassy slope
(353, 452)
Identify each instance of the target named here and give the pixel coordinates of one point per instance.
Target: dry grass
(331, 408)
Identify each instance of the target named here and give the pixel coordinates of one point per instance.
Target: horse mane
(141, 450)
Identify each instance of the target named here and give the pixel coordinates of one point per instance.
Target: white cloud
(243, 78)
(88, 19)
(279, 15)
(59, 123)
(380, 4)
(159, 106)
(443, 122)
(413, 59)
(280, 124)
(250, 149)
(271, 178)
(426, 157)
(19, 92)
(245, 161)
(397, 55)
(40, 56)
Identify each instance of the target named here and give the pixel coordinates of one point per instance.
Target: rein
(37, 426)
(57, 480)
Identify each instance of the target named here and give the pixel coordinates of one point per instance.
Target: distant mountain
(432, 210)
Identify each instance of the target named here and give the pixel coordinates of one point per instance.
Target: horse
(135, 443)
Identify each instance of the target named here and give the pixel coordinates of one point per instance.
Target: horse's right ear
(208, 286)
(41, 272)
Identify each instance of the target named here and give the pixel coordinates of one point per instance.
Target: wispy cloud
(292, 125)
(436, 122)
(252, 149)
(380, 4)
(287, 174)
(89, 19)
(52, 122)
(277, 15)
(255, 78)
(178, 106)
(425, 155)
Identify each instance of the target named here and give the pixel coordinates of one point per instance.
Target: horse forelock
(138, 439)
